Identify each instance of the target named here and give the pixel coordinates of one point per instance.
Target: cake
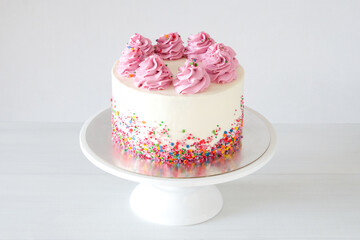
(175, 104)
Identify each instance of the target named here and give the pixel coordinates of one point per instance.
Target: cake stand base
(175, 205)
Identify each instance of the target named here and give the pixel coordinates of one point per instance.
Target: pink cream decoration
(221, 47)
(129, 62)
(198, 44)
(192, 78)
(220, 63)
(145, 45)
(170, 46)
(153, 74)
(208, 62)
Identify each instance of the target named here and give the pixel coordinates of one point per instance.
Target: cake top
(207, 62)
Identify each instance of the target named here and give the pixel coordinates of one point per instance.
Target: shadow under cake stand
(178, 194)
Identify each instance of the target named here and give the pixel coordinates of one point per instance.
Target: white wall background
(302, 58)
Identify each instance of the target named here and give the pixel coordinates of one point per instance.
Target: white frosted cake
(177, 105)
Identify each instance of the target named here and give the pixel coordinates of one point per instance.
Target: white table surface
(310, 190)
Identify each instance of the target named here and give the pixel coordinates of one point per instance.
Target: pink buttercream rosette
(170, 46)
(221, 47)
(192, 78)
(220, 63)
(198, 44)
(153, 74)
(129, 61)
(145, 45)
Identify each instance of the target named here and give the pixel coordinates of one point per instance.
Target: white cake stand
(178, 195)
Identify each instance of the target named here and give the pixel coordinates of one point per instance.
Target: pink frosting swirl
(221, 64)
(192, 78)
(198, 44)
(145, 45)
(129, 61)
(221, 47)
(170, 46)
(153, 74)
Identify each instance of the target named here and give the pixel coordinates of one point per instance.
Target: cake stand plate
(178, 194)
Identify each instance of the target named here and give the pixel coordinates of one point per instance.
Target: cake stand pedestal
(178, 195)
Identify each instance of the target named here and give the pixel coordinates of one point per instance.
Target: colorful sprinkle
(158, 147)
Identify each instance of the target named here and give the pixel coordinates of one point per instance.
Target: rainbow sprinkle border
(190, 149)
